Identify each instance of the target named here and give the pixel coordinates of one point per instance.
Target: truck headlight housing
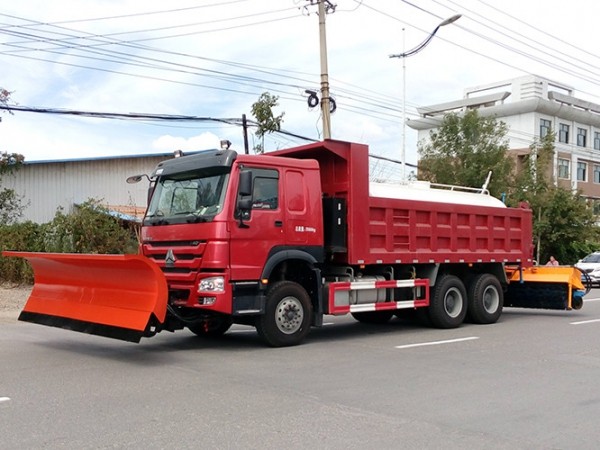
(211, 284)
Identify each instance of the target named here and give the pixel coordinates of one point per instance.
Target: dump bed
(415, 228)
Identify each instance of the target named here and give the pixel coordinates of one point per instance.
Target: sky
(214, 58)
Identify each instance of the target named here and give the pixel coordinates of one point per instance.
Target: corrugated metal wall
(46, 186)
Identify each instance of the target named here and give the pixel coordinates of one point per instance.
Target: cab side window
(265, 192)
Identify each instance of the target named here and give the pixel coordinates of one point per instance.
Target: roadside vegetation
(88, 229)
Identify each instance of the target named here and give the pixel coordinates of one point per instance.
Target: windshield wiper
(192, 218)
(153, 220)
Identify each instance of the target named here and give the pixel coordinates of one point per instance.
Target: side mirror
(244, 203)
(136, 178)
(245, 187)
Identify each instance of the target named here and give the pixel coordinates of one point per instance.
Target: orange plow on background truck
(277, 241)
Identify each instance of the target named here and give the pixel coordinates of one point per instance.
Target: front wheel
(287, 316)
(214, 327)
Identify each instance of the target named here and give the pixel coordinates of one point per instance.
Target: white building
(47, 185)
(531, 106)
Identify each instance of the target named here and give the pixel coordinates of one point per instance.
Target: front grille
(163, 244)
(179, 260)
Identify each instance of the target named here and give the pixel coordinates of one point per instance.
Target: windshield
(593, 258)
(187, 198)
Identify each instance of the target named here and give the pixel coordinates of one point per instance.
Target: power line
(122, 16)
(122, 57)
(144, 116)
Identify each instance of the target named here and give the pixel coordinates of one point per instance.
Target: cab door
(262, 226)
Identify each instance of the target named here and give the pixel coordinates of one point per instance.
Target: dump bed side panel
(391, 230)
(403, 231)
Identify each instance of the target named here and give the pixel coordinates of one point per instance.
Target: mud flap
(116, 296)
(545, 288)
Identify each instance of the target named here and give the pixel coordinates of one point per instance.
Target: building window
(596, 207)
(581, 171)
(545, 126)
(581, 137)
(563, 133)
(596, 173)
(564, 169)
(596, 141)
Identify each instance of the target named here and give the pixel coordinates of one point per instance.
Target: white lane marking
(585, 321)
(4, 399)
(591, 299)
(450, 341)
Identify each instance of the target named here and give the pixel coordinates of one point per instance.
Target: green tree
(563, 225)
(533, 185)
(262, 110)
(566, 226)
(464, 149)
(11, 207)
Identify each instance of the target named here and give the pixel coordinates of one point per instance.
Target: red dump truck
(277, 241)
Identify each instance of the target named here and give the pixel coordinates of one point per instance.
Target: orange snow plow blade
(117, 296)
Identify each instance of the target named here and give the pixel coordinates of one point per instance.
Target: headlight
(212, 284)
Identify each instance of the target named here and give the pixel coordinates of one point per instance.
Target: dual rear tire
(451, 303)
(486, 299)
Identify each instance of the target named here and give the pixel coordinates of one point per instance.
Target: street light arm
(419, 47)
(403, 55)
(423, 44)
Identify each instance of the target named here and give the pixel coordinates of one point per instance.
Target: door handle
(278, 223)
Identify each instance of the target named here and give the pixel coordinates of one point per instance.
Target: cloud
(259, 43)
(168, 143)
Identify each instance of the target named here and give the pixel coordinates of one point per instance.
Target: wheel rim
(491, 299)
(289, 315)
(453, 302)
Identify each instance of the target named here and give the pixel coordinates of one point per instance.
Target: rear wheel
(287, 316)
(377, 317)
(448, 303)
(486, 299)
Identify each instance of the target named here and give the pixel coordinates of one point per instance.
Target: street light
(404, 55)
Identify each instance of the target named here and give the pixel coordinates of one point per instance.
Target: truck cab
(223, 227)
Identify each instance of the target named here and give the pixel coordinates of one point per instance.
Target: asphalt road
(531, 381)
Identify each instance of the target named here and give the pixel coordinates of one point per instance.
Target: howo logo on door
(170, 258)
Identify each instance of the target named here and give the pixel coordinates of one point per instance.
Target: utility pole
(325, 7)
(324, 72)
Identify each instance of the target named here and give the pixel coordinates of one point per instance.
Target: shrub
(20, 237)
(88, 229)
